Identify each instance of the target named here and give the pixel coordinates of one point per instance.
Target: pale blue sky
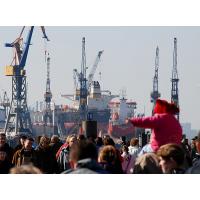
(127, 61)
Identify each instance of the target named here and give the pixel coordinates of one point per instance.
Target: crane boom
(94, 67)
(22, 52)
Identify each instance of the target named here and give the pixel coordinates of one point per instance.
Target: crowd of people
(167, 152)
(81, 155)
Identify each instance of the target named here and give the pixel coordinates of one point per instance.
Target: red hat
(162, 106)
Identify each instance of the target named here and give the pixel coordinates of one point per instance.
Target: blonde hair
(69, 137)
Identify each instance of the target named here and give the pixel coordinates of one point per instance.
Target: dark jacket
(196, 157)
(87, 166)
(46, 160)
(195, 169)
(9, 152)
(5, 166)
(55, 147)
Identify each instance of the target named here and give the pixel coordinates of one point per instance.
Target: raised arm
(145, 122)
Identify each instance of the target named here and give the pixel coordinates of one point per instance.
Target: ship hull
(120, 130)
(69, 122)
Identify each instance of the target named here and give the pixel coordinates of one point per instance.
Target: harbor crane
(77, 76)
(175, 79)
(93, 70)
(18, 119)
(83, 85)
(48, 116)
(155, 94)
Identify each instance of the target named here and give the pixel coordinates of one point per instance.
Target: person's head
(82, 150)
(22, 139)
(171, 157)
(108, 141)
(44, 142)
(162, 106)
(2, 155)
(81, 137)
(2, 139)
(125, 149)
(123, 139)
(99, 141)
(134, 142)
(28, 143)
(106, 136)
(71, 139)
(38, 139)
(147, 163)
(55, 139)
(25, 169)
(107, 154)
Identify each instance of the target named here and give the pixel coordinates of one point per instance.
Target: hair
(99, 141)
(25, 169)
(134, 142)
(107, 154)
(83, 150)
(147, 163)
(108, 141)
(81, 137)
(55, 138)
(69, 137)
(38, 139)
(30, 138)
(125, 148)
(44, 140)
(173, 151)
(22, 137)
(109, 159)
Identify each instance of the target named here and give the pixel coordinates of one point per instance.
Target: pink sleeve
(145, 122)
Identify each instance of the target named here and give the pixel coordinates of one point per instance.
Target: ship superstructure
(121, 109)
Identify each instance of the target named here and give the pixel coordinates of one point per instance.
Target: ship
(121, 109)
(66, 118)
(97, 106)
(88, 100)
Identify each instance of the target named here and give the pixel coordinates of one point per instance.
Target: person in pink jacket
(165, 127)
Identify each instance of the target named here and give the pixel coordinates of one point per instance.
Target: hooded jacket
(165, 129)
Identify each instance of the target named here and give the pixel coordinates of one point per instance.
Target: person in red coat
(165, 127)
